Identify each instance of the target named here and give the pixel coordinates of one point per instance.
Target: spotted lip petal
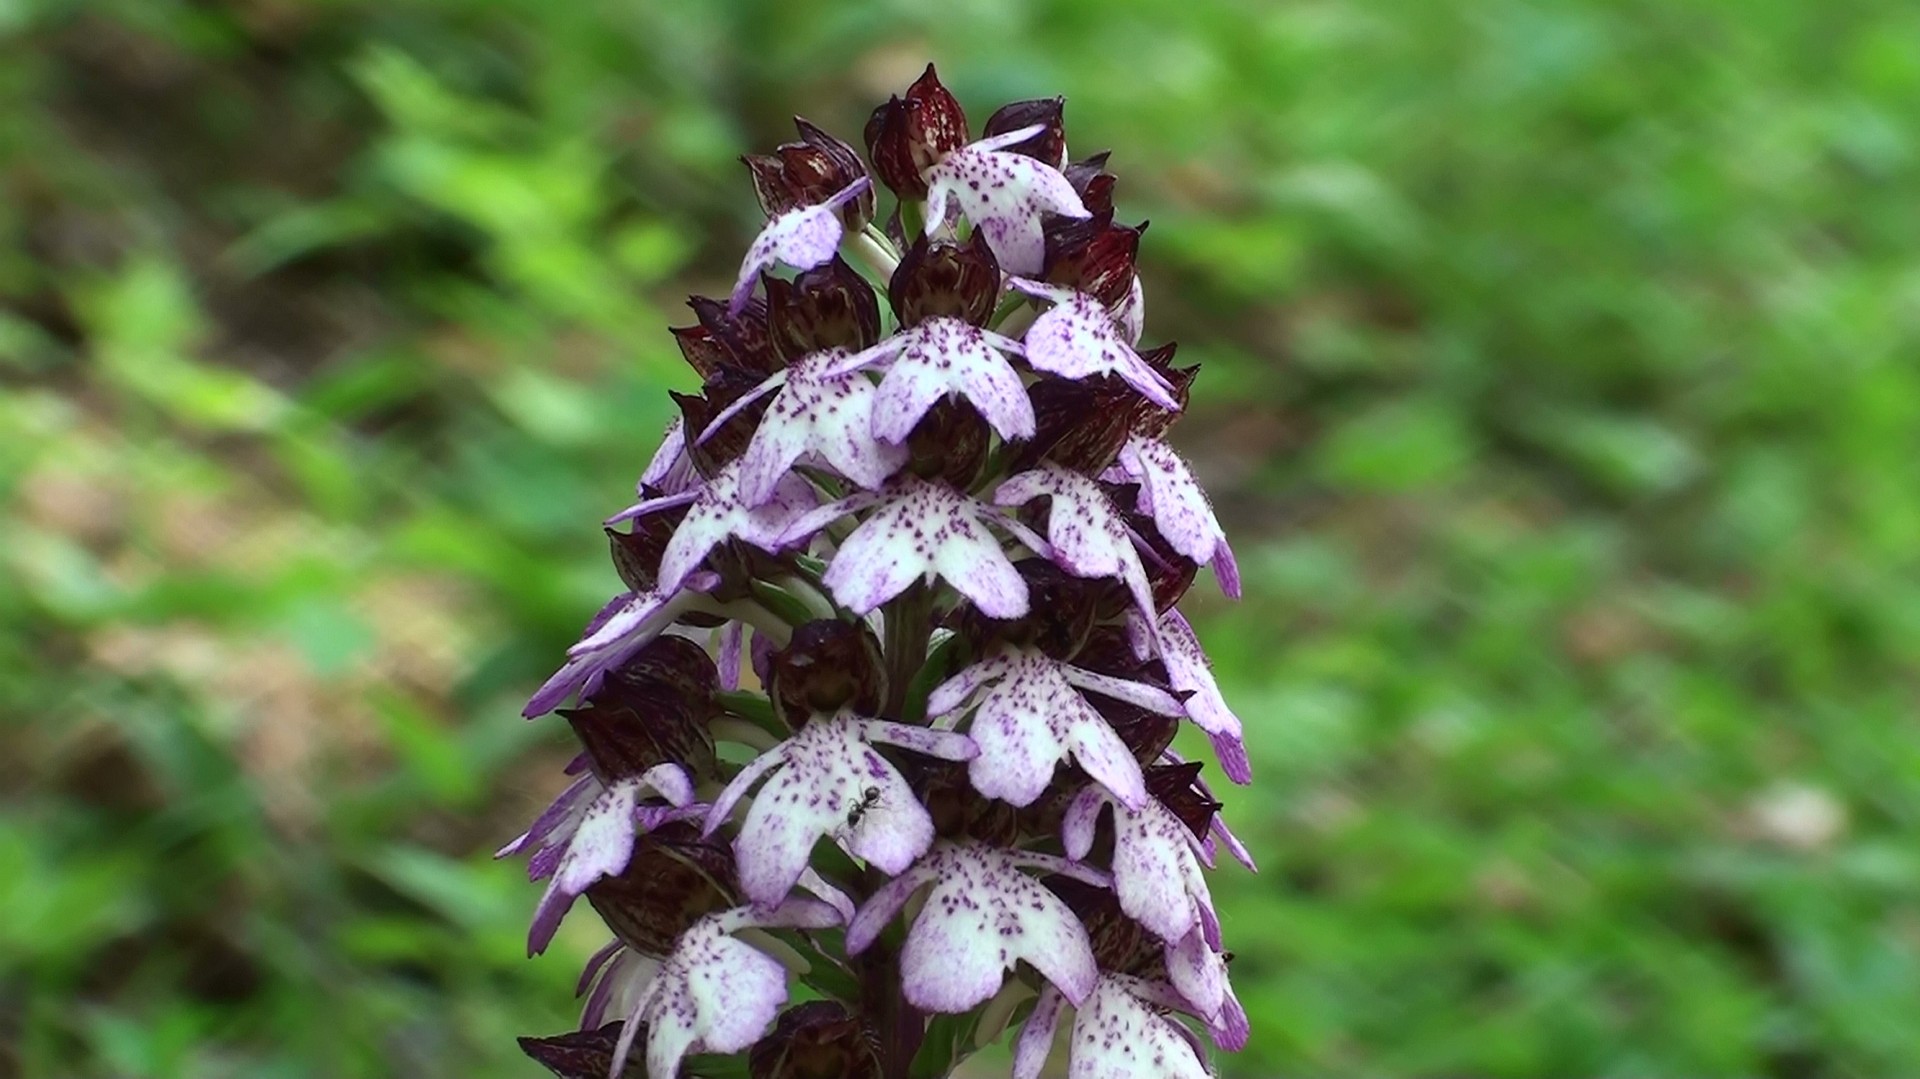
(714, 994)
(1179, 507)
(587, 834)
(831, 782)
(1004, 194)
(1190, 673)
(983, 915)
(1087, 536)
(1156, 865)
(802, 238)
(721, 510)
(822, 413)
(1077, 338)
(1028, 718)
(948, 357)
(919, 531)
(1119, 1033)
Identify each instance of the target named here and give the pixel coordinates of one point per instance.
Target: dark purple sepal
(1063, 611)
(1093, 183)
(1093, 255)
(653, 709)
(828, 665)
(820, 1039)
(723, 340)
(1079, 424)
(712, 451)
(673, 880)
(941, 277)
(1050, 144)
(949, 443)
(636, 554)
(584, 1054)
(829, 306)
(958, 811)
(1119, 942)
(1149, 419)
(1174, 786)
(907, 135)
(808, 173)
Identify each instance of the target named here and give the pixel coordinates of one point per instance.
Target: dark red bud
(1093, 255)
(723, 340)
(674, 879)
(585, 1054)
(1118, 941)
(1174, 786)
(653, 709)
(636, 554)
(1062, 611)
(829, 306)
(827, 666)
(907, 135)
(959, 811)
(817, 1040)
(1078, 423)
(943, 278)
(950, 443)
(1093, 183)
(807, 173)
(1050, 145)
(711, 452)
(1149, 419)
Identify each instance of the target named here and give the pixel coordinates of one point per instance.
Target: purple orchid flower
(898, 652)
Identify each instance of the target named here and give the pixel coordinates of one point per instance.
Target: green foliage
(1559, 393)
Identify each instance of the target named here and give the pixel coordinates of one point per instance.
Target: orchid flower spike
(875, 736)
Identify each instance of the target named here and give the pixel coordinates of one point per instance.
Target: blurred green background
(1560, 393)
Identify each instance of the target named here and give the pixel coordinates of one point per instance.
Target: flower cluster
(885, 707)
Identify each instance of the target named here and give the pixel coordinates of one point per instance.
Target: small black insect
(868, 799)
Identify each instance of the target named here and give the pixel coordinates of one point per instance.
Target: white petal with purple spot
(1026, 720)
(1178, 506)
(1077, 338)
(1188, 670)
(831, 783)
(982, 916)
(947, 357)
(922, 530)
(1004, 195)
(822, 416)
(801, 238)
(714, 994)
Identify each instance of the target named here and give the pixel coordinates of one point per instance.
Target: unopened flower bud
(829, 306)
(1174, 786)
(723, 340)
(579, 1054)
(1079, 424)
(942, 278)
(949, 443)
(674, 878)
(907, 135)
(828, 665)
(1093, 183)
(809, 172)
(816, 1040)
(636, 554)
(1050, 145)
(651, 710)
(1093, 255)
